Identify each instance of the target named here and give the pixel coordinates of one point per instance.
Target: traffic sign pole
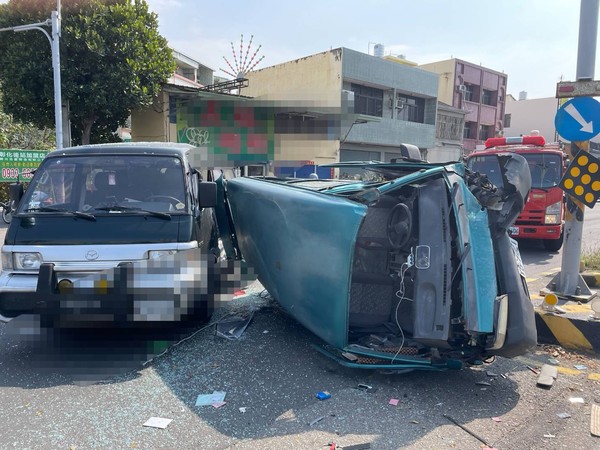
(569, 281)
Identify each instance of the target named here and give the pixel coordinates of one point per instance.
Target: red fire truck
(544, 212)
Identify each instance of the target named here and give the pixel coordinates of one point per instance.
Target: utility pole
(54, 38)
(570, 282)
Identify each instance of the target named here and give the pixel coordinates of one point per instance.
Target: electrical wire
(186, 338)
(400, 294)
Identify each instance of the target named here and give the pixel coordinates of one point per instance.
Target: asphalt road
(541, 265)
(91, 390)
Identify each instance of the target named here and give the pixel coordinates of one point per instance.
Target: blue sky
(533, 41)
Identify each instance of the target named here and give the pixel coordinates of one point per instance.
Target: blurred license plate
(513, 231)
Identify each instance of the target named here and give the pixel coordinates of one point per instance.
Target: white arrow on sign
(585, 126)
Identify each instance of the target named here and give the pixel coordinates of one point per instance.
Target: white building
(523, 116)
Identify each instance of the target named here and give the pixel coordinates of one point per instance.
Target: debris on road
(320, 418)
(533, 370)
(365, 446)
(157, 422)
(483, 383)
(323, 395)
(480, 439)
(210, 399)
(394, 401)
(595, 421)
(233, 327)
(563, 415)
(316, 421)
(496, 419)
(242, 409)
(547, 376)
(580, 367)
(549, 435)
(577, 400)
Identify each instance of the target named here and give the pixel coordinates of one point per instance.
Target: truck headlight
(155, 254)
(552, 216)
(27, 261)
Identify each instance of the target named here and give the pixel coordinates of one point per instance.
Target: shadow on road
(533, 252)
(79, 356)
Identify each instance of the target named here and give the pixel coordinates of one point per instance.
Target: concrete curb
(592, 278)
(574, 331)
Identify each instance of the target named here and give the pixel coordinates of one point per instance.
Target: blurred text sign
(581, 88)
(18, 164)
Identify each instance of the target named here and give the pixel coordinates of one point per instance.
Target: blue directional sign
(578, 119)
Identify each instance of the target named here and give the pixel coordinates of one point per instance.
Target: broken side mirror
(516, 179)
(207, 194)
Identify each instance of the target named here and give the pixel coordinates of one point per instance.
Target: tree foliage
(23, 136)
(113, 60)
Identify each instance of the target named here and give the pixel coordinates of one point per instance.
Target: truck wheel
(553, 245)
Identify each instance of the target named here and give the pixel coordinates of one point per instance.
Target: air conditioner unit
(400, 103)
(461, 88)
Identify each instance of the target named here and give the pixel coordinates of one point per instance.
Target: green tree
(17, 135)
(113, 60)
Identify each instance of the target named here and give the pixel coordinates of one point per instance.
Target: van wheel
(553, 245)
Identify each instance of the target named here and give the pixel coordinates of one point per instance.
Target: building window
(488, 97)
(411, 109)
(172, 109)
(468, 131)
(506, 120)
(484, 132)
(367, 100)
(469, 92)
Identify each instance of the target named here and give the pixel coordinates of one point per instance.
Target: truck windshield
(546, 169)
(107, 184)
(487, 165)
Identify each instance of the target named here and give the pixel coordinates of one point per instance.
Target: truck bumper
(168, 290)
(535, 231)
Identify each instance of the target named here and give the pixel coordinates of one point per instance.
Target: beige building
(308, 88)
(364, 107)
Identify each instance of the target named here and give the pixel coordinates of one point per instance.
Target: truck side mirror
(207, 194)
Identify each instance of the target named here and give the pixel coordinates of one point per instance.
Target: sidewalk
(577, 328)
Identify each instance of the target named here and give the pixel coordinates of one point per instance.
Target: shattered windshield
(107, 184)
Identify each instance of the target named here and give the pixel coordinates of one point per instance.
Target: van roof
(129, 148)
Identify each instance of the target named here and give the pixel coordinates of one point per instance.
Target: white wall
(534, 114)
